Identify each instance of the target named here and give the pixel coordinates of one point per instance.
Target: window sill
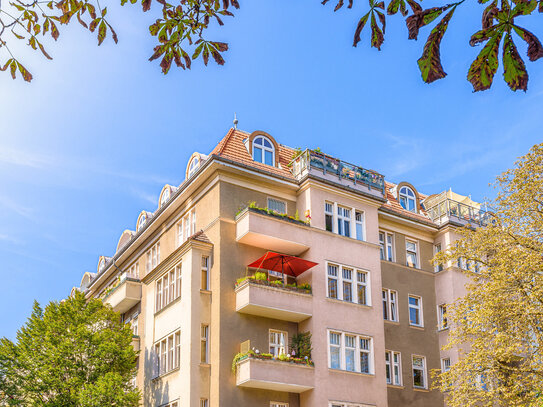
(422, 390)
(336, 300)
(350, 372)
(417, 327)
(202, 291)
(160, 377)
(443, 329)
(391, 322)
(396, 386)
(168, 306)
(205, 365)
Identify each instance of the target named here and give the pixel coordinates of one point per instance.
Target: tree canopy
(499, 323)
(182, 25)
(75, 353)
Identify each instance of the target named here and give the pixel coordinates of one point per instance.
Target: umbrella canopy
(290, 265)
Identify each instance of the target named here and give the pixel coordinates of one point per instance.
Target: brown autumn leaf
(535, 50)
(359, 29)
(482, 70)
(422, 18)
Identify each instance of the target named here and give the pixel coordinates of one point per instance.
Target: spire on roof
(235, 121)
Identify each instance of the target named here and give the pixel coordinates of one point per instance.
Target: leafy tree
(499, 323)
(181, 27)
(75, 353)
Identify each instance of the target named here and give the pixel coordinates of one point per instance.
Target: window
(437, 249)
(165, 197)
(194, 164)
(205, 273)
(263, 151)
(343, 286)
(445, 364)
(419, 372)
(167, 353)
(350, 352)
(168, 288)
(134, 271)
(329, 216)
(204, 403)
(411, 253)
(134, 325)
(141, 222)
(442, 322)
(343, 221)
(393, 368)
(153, 257)
(386, 243)
(277, 206)
(204, 344)
(186, 227)
(415, 311)
(277, 404)
(359, 225)
(407, 199)
(278, 341)
(390, 305)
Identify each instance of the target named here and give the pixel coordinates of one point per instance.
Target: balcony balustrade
(124, 295)
(449, 210)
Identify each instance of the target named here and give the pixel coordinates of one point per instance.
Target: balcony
(265, 299)
(256, 227)
(310, 162)
(443, 209)
(124, 295)
(270, 374)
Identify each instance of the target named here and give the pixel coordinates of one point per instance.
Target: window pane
(359, 235)
(347, 292)
(332, 288)
(257, 154)
(364, 362)
(268, 158)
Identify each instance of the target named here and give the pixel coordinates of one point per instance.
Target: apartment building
(217, 326)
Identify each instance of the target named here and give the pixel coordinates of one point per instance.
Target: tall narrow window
(205, 273)
(438, 267)
(407, 199)
(194, 164)
(390, 307)
(276, 205)
(186, 224)
(158, 303)
(419, 372)
(168, 288)
(415, 310)
(411, 253)
(445, 364)
(177, 349)
(365, 355)
(442, 322)
(390, 247)
(204, 403)
(153, 257)
(178, 269)
(171, 350)
(393, 368)
(335, 348)
(263, 151)
(350, 349)
(329, 216)
(386, 246)
(204, 344)
(359, 221)
(362, 287)
(344, 221)
(332, 280)
(382, 245)
(278, 341)
(347, 284)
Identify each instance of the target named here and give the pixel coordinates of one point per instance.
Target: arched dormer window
(141, 221)
(263, 150)
(408, 199)
(165, 197)
(102, 264)
(194, 164)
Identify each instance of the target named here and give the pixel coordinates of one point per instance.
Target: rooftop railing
(309, 160)
(449, 209)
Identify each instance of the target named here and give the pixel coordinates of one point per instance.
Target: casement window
(167, 353)
(168, 288)
(419, 372)
(205, 273)
(153, 257)
(359, 225)
(204, 341)
(411, 253)
(277, 206)
(186, 227)
(390, 305)
(343, 221)
(386, 246)
(278, 404)
(204, 403)
(445, 364)
(350, 352)
(407, 199)
(278, 342)
(438, 267)
(348, 284)
(134, 325)
(263, 151)
(442, 322)
(393, 367)
(329, 216)
(134, 271)
(415, 311)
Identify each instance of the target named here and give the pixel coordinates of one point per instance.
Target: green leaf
(102, 29)
(514, 70)
(524, 8)
(482, 70)
(198, 50)
(377, 37)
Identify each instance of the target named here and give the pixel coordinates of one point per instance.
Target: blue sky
(91, 142)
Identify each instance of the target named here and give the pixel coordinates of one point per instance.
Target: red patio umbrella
(290, 265)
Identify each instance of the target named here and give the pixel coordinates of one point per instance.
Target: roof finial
(235, 121)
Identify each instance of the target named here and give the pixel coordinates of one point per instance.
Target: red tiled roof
(200, 236)
(394, 206)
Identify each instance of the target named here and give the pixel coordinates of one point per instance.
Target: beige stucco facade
(203, 237)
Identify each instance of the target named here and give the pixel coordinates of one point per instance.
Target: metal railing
(448, 209)
(310, 159)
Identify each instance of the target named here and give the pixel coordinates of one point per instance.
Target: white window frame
(442, 320)
(437, 249)
(204, 343)
(353, 281)
(390, 304)
(205, 272)
(366, 287)
(360, 234)
(424, 371)
(263, 149)
(277, 202)
(394, 365)
(408, 198)
(153, 257)
(445, 367)
(415, 252)
(167, 353)
(193, 166)
(329, 212)
(386, 244)
(277, 348)
(357, 351)
(165, 197)
(417, 308)
(168, 287)
(134, 270)
(344, 218)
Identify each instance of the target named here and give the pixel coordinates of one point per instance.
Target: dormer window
(165, 197)
(194, 164)
(141, 221)
(407, 199)
(102, 264)
(263, 151)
